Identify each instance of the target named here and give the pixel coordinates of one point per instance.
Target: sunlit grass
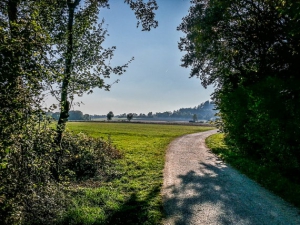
(134, 196)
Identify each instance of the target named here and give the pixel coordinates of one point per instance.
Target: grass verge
(133, 197)
(266, 175)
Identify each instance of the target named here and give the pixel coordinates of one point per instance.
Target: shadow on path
(217, 194)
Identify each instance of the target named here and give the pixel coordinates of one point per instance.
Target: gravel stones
(199, 189)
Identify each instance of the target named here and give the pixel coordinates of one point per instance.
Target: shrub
(85, 157)
(29, 194)
(261, 121)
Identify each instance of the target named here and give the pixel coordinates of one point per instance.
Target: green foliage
(41, 45)
(86, 157)
(110, 115)
(77, 47)
(237, 42)
(267, 119)
(133, 197)
(195, 118)
(144, 12)
(75, 115)
(129, 116)
(28, 192)
(26, 187)
(250, 51)
(268, 175)
(204, 111)
(22, 60)
(77, 37)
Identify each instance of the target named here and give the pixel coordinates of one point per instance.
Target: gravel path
(200, 189)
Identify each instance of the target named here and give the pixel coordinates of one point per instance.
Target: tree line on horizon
(204, 111)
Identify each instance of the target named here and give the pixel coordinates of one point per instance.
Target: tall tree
(249, 49)
(129, 116)
(22, 58)
(195, 118)
(110, 115)
(79, 61)
(232, 42)
(24, 160)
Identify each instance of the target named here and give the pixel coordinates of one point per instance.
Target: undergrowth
(29, 191)
(267, 175)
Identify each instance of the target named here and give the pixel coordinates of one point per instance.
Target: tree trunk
(64, 103)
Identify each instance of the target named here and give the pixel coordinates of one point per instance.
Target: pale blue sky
(154, 81)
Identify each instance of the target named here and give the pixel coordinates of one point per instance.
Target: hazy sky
(154, 81)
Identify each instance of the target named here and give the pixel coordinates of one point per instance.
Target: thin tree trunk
(12, 11)
(15, 88)
(65, 105)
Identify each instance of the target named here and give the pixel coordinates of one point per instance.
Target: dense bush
(27, 188)
(250, 51)
(29, 194)
(85, 157)
(262, 120)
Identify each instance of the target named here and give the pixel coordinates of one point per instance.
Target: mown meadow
(132, 195)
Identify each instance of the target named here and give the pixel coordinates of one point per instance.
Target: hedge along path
(199, 189)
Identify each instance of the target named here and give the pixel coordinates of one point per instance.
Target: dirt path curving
(200, 189)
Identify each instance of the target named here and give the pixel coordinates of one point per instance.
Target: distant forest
(204, 111)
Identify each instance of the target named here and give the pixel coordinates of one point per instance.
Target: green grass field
(133, 197)
(266, 175)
